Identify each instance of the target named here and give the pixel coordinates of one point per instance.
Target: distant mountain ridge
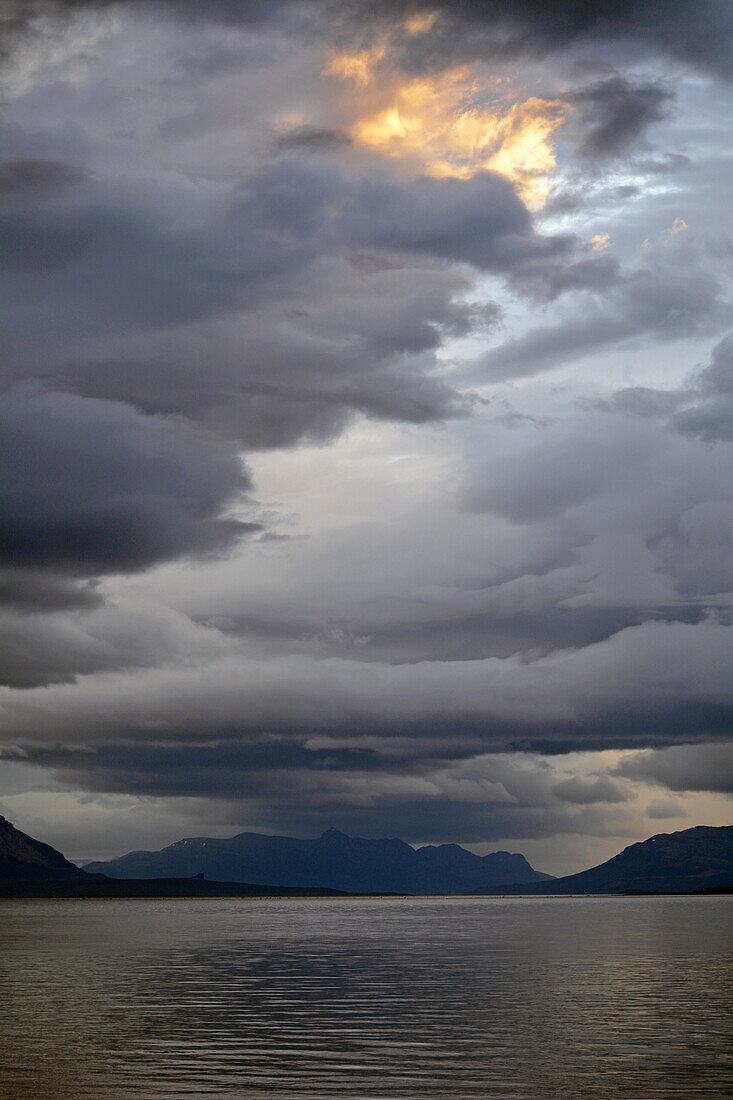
(29, 868)
(333, 861)
(700, 858)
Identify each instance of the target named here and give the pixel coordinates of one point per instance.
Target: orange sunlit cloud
(600, 241)
(420, 23)
(437, 123)
(444, 127)
(358, 66)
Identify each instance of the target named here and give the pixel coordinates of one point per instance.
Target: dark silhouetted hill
(22, 858)
(333, 860)
(670, 863)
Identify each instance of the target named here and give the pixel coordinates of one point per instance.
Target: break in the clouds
(367, 423)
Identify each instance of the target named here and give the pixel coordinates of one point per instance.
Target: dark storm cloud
(138, 256)
(684, 768)
(703, 408)
(630, 689)
(698, 34)
(93, 487)
(575, 196)
(312, 139)
(475, 799)
(303, 202)
(209, 741)
(546, 475)
(427, 821)
(113, 263)
(50, 647)
(641, 401)
(696, 548)
(711, 414)
(301, 365)
(19, 12)
(500, 631)
(226, 768)
(104, 260)
(545, 278)
(674, 295)
(617, 113)
(671, 538)
(585, 792)
(664, 809)
(45, 650)
(39, 591)
(426, 804)
(37, 178)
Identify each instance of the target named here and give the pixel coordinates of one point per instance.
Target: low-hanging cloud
(94, 487)
(616, 113)
(707, 767)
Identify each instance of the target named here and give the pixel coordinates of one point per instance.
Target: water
(379, 998)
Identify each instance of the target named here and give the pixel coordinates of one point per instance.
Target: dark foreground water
(367, 998)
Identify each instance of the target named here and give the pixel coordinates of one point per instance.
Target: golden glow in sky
(600, 241)
(445, 126)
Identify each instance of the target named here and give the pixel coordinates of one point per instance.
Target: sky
(367, 422)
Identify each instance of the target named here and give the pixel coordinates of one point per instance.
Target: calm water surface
(374, 999)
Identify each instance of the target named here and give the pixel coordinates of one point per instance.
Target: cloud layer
(368, 417)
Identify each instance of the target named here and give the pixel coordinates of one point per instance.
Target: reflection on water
(378, 998)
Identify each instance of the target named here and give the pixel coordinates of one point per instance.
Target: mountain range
(333, 861)
(697, 859)
(30, 868)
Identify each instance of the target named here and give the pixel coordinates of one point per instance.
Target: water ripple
(380, 999)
